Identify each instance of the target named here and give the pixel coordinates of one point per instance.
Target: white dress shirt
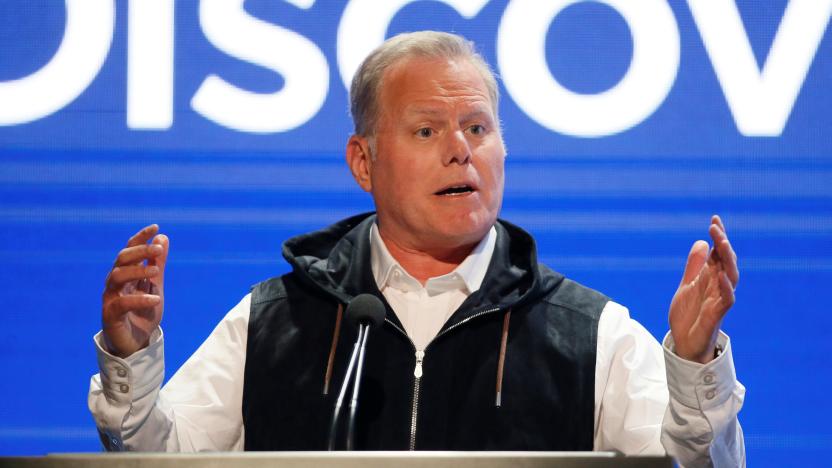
(648, 401)
(424, 309)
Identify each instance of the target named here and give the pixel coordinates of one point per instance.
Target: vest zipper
(478, 314)
(417, 370)
(417, 373)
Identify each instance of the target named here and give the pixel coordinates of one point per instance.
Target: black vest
(547, 387)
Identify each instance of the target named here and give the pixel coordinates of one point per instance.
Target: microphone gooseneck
(365, 311)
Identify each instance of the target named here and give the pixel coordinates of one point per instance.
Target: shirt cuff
(698, 385)
(124, 380)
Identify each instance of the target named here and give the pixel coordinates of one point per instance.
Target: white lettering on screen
(521, 55)
(760, 99)
(301, 63)
(83, 49)
(364, 24)
(150, 43)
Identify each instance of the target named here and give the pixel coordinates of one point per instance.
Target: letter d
(85, 45)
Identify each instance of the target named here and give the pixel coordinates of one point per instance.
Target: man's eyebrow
(476, 113)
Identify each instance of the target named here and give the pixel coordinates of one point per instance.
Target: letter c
(364, 26)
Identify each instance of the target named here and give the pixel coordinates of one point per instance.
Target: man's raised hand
(705, 294)
(133, 298)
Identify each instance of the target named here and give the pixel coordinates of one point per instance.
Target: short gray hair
(367, 82)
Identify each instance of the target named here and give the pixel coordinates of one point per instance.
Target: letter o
(521, 58)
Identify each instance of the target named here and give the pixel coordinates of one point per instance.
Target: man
(482, 348)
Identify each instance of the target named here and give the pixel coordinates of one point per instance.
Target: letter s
(300, 62)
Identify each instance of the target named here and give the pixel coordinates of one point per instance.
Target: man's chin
(440, 231)
(464, 232)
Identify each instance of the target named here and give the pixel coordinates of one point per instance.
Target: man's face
(437, 175)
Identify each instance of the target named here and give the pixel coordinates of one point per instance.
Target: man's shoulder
(270, 290)
(282, 287)
(572, 295)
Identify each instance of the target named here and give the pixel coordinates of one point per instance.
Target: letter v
(761, 101)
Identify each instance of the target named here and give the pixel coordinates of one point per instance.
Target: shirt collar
(467, 276)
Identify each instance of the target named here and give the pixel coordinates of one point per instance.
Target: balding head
(369, 79)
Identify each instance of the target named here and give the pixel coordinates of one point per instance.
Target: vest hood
(336, 260)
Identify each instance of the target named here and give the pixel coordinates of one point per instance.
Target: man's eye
(476, 129)
(425, 132)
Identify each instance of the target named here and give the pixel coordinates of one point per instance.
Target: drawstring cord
(502, 359)
(334, 345)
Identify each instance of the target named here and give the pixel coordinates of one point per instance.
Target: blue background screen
(614, 206)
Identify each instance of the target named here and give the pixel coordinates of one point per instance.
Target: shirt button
(124, 388)
(709, 378)
(121, 372)
(710, 394)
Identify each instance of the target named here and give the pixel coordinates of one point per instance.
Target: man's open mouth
(456, 190)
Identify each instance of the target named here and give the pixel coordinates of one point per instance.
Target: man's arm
(200, 408)
(700, 426)
(649, 401)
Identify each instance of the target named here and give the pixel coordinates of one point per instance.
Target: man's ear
(360, 161)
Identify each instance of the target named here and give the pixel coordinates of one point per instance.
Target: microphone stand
(367, 311)
(354, 401)
(362, 338)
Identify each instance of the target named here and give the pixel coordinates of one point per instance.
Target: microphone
(366, 311)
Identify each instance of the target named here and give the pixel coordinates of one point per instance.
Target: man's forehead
(435, 70)
(427, 84)
(468, 108)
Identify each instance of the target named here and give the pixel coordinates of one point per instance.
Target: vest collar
(337, 260)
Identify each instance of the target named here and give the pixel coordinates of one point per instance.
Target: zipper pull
(420, 356)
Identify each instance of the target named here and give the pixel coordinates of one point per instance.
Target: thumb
(696, 259)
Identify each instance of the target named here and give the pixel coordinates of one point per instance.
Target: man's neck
(426, 264)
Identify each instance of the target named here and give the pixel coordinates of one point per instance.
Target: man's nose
(458, 150)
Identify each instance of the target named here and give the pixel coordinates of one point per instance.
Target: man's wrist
(698, 385)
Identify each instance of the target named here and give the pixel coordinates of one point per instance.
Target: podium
(339, 460)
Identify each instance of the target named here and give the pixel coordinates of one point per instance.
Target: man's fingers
(138, 253)
(724, 252)
(715, 219)
(162, 243)
(121, 275)
(726, 289)
(729, 262)
(696, 259)
(143, 236)
(717, 234)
